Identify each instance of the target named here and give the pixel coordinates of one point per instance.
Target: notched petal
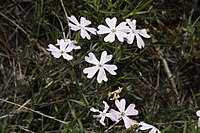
(91, 71)
(111, 22)
(91, 59)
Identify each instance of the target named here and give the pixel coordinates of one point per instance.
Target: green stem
(74, 77)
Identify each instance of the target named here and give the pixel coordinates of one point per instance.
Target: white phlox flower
(99, 66)
(102, 114)
(145, 126)
(65, 46)
(112, 30)
(198, 114)
(122, 113)
(82, 26)
(133, 32)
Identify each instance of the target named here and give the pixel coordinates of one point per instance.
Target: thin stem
(61, 25)
(69, 33)
(74, 77)
(112, 125)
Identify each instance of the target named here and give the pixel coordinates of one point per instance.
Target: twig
(168, 72)
(174, 122)
(112, 125)
(22, 128)
(37, 112)
(2, 117)
(24, 104)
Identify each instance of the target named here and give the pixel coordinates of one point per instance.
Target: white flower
(133, 32)
(103, 114)
(145, 126)
(198, 114)
(99, 65)
(81, 26)
(65, 47)
(112, 29)
(130, 111)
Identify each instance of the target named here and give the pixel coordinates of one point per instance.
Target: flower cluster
(124, 31)
(114, 115)
(122, 114)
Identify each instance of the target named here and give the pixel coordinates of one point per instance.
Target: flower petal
(140, 42)
(52, 48)
(67, 56)
(154, 130)
(145, 126)
(106, 107)
(85, 34)
(63, 45)
(131, 24)
(111, 116)
(130, 38)
(128, 122)
(61, 41)
(111, 22)
(91, 59)
(91, 71)
(56, 54)
(143, 33)
(71, 46)
(122, 27)
(102, 120)
(97, 116)
(94, 110)
(110, 37)
(85, 22)
(121, 35)
(116, 114)
(103, 29)
(131, 110)
(111, 68)
(120, 104)
(91, 30)
(101, 76)
(74, 20)
(105, 58)
(74, 27)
